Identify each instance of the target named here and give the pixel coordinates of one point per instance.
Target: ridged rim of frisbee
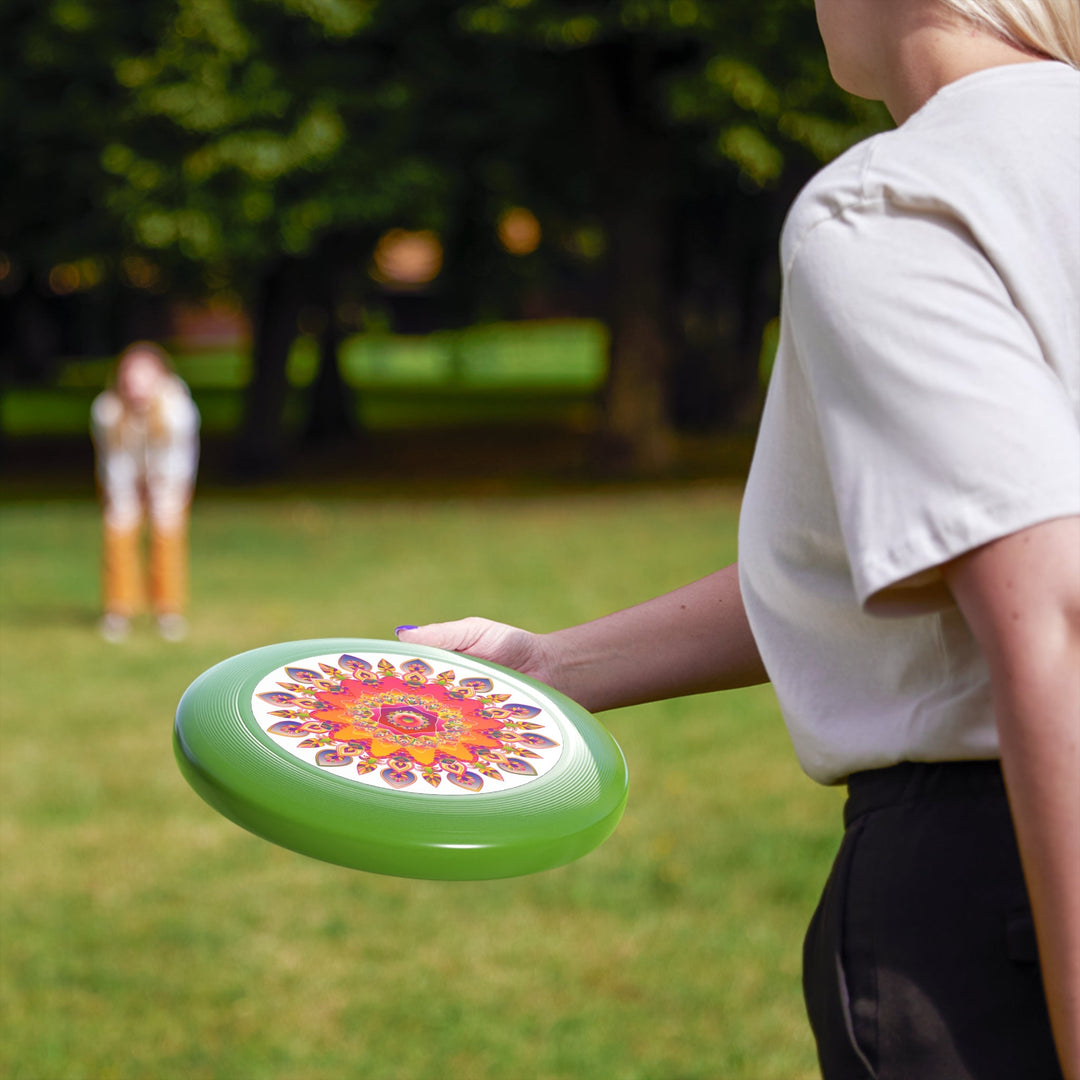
(240, 771)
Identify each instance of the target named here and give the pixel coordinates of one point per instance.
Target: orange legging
(123, 581)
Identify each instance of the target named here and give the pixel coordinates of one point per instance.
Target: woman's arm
(689, 641)
(1021, 598)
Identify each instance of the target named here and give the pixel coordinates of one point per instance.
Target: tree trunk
(332, 404)
(637, 427)
(35, 337)
(634, 193)
(261, 449)
(331, 410)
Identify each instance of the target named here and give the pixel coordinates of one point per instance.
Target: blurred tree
(294, 134)
(699, 121)
(261, 147)
(59, 106)
(273, 134)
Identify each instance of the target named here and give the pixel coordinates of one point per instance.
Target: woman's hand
(494, 641)
(690, 641)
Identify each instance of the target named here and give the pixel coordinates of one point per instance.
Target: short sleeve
(944, 426)
(105, 414)
(178, 412)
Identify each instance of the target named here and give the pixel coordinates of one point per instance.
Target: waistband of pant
(911, 782)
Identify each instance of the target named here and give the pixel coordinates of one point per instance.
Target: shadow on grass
(425, 463)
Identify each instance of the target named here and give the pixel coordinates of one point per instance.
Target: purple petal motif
(278, 698)
(300, 674)
(398, 779)
(518, 766)
(522, 712)
(353, 663)
(332, 759)
(477, 685)
(466, 779)
(287, 727)
(537, 742)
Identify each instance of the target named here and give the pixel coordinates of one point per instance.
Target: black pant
(920, 961)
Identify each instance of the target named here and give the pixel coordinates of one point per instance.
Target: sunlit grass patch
(145, 936)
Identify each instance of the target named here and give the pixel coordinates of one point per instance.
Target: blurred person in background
(909, 549)
(146, 438)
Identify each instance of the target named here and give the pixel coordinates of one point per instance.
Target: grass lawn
(144, 936)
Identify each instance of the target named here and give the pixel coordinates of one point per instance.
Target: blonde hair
(144, 347)
(1048, 27)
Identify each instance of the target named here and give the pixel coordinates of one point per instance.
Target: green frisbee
(400, 759)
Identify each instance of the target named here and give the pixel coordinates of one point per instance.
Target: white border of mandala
(462, 668)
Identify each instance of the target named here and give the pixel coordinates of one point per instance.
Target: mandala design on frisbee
(404, 727)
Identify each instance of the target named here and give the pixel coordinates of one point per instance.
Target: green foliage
(748, 78)
(278, 132)
(226, 131)
(261, 147)
(145, 936)
(58, 108)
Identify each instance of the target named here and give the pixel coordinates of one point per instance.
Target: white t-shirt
(925, 400)
(143, 462)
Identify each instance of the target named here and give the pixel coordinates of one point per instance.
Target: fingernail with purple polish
(398, 629)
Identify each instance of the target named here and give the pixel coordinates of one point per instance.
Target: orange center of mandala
(455, 728)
